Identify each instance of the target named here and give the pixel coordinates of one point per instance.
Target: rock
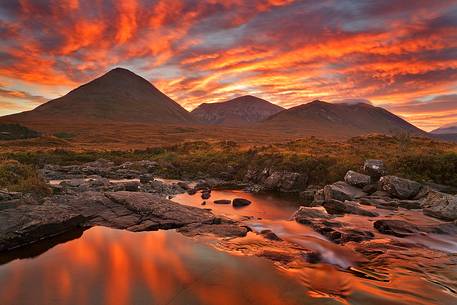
(347, 207)
(219, 227)
(440, 205)
(26, 224)
(307, 196)
(274, 180)
(183, 185)
(304, 215)
(131, 186)
(342, 191)
(381, 194)
(319, 196)
(370, 188)
(410, 204)
(357, 179)
(192, 191)
(203, 203)
(222, 201)
(277, 256)
(374, 168)
(146, 178)
(397, 228)
(268, 234)
(381, 203)
(206, 195)
(240, 202)
(202, 185)
(7, 196)
(399, 187)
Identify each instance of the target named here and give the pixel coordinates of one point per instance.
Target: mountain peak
(118, 95)
(238, 111)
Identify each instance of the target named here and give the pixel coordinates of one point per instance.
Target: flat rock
(374, 168)
(342, 191)
(222, 201)
(347, 207)
(240, 202)
(304, 215)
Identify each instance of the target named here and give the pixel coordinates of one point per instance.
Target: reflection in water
(115, 267)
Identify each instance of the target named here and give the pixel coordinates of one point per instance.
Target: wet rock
(277, 256)
(202, 185)
(381, 203)
(341, 236)
(240, 202)
(268, 234)
(342, 191)
(440, 205)
(221, 229)
(374, 168)
(191, 191)
(206, 195)
(319, 196)
(222, 201)
(307, 196)
(347, 207)
(399, 187)
(313, 257)
(410, 204)
(304, 215)
(203, 203)
(274, 180)
(395, 227)
(357, 179)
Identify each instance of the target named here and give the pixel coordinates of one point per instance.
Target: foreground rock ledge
(132, 211)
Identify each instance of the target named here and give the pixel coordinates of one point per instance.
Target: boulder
(307, 196)
(304, 215)
(370, 188)
(240, 202)
(347, 207)
(357, 179)
(342, 191)
(284, 181)
(399, 187)
(440, 205)
(268, 234)
(206, 195)
(374, 168)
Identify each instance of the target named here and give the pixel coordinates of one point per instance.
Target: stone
(183, 185)
(342, 191)
(206, 195)
(357, 179)
(374, 168)
(440, 205)
(240, 202)
(222, 201)
(397, 228)
(307, 196)
(399, 187)
(304, 215)
(268, 234)
(347, 207)
(146, 178)
(370, 188)
(192, 191)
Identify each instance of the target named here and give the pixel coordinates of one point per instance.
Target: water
(105, 266)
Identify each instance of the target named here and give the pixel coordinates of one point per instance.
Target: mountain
(118, 96)
(448, 129)
(325, 119)
(239, 111)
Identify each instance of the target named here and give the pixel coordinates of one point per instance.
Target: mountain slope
(449, 129)
(325, 119)
(239, 111)
(120, 96)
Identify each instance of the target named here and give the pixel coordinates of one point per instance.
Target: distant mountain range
(449, 129)
(239, 111)
(121, 96)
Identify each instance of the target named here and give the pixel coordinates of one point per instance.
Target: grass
(324, 161)
(17, 177)
(10, 132)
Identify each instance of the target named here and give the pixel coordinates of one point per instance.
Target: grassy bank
(17, 177)
(324, 161)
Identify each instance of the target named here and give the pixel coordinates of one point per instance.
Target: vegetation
(16, 131)
(324, 161)
(17, 177)
(64, 135)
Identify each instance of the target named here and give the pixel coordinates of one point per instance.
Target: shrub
(17, 177)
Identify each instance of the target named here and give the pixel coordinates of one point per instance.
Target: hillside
(239, 111)
(330, 120)
(119, 96)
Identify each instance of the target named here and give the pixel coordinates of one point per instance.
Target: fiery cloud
(401, 55)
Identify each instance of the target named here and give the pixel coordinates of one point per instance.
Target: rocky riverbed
(359, 225)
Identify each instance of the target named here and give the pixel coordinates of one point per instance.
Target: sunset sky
(398, 54)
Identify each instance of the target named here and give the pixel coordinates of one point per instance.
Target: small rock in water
(206, 195)
(240, 202)
(203, 203)
(192, 191)
(222, 201)
(395, 227)
(268, 234)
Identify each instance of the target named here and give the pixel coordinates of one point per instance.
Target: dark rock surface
(342, 191)
(440, 205)
(357, 179)
(240, 202)
(374, 168)
(347, 207)
(399, 187)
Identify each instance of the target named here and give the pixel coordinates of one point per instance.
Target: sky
(397, 54)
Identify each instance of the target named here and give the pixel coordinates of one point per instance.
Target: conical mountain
(119, 96)
(326, 119)
(239, 111)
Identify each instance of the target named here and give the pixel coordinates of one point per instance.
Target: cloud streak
(388, 52)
